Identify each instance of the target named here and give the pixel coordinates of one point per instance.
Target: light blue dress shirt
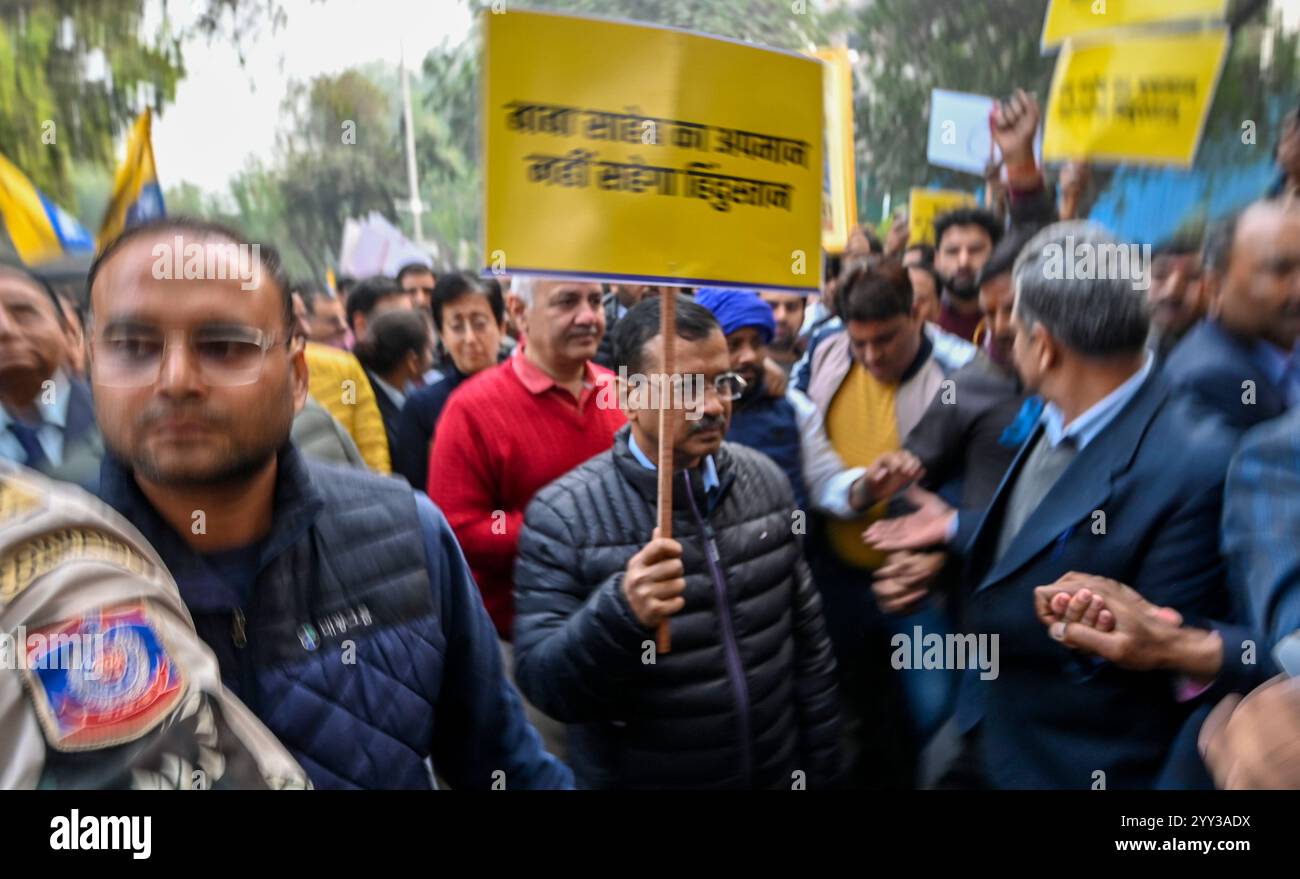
(1094, 420)
(1088, 426)
(710, 475)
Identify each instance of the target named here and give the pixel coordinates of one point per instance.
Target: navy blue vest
(339, 650)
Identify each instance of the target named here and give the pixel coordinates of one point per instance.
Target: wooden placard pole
(667, 428)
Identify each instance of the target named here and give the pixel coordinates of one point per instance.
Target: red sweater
(503, 435)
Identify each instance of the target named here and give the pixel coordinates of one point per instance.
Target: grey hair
(1096, 316)
(523, 287)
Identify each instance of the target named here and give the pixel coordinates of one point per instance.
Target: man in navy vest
(337, 603)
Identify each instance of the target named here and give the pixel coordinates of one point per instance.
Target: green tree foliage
(74, 73)
(908, 47)
(447, 148)
(784, 24)
(337, 157)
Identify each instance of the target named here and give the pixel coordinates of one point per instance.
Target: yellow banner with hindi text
(1142, 98)
(924, 205)
(1076, 18)
(617, 151)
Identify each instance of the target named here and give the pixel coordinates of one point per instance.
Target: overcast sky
(225, 113)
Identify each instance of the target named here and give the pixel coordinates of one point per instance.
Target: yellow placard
(1074, 18)
(1139, 99)
(839, 182)
(618, 151)
(923, 205)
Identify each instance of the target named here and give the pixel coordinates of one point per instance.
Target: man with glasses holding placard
(746, 698)
(337, 603)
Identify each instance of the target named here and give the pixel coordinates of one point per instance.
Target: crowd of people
(960, 521)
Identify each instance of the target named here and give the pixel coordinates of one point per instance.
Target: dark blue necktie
(26, 437)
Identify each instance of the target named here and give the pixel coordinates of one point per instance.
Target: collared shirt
(1087, 426)
(538, 382)
(710, 469)
(1094, 420)
(54, 419)
(393, 393)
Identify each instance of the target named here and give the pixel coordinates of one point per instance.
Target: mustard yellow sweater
(862, 425)
(337, 381)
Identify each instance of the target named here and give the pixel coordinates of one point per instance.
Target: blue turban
(736, 309)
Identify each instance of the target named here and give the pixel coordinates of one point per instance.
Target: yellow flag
(136, 194)
(39, 228)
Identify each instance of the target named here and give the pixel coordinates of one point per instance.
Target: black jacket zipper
(735, 670)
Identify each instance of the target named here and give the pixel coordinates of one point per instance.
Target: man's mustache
(707, 422)
(155, 413)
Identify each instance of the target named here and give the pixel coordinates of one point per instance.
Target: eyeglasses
(132, 357)
(730, 386)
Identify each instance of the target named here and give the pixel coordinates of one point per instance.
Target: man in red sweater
(517, 426)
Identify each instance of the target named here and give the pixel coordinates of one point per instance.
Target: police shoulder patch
(101, 679)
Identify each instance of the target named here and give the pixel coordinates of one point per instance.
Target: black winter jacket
(746, 698)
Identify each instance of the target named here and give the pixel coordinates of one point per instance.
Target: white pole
(412, 178)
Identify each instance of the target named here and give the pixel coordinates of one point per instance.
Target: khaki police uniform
(103, 681)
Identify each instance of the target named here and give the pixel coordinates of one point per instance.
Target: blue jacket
(1261, 525)
(770, 425)
(1050, 718)
(357, 635)
(416, 424)
(746, 698)
(390, 412)
(1210, 367)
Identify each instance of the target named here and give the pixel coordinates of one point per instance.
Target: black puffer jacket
(746, 698)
